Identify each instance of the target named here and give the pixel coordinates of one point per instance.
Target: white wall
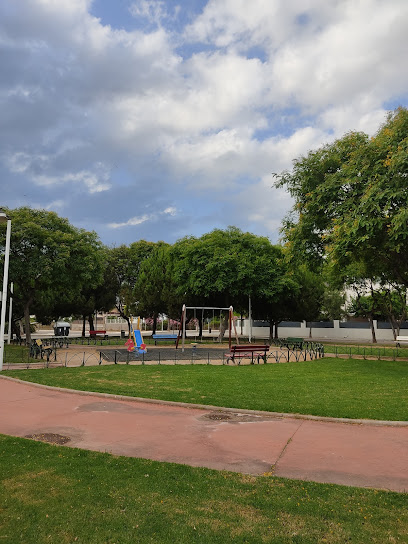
(335, 333)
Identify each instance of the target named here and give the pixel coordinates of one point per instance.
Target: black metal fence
(381, 353)
(60, 352)
(55, 353)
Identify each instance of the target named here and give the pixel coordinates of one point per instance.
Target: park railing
(64, 352)
(67, 352)
(384, 353)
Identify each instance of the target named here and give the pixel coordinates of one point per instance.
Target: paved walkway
(358, 454)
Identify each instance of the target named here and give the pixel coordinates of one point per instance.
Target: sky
(155, 120)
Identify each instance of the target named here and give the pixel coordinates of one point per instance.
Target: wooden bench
(94, 334)
(401, 340)
(163, 337)
(37, 348)
(247, 351)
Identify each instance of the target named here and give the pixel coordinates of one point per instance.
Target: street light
(4, 219)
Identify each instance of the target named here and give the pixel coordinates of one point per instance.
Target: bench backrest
(250, 347)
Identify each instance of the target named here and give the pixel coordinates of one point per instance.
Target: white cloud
(90, 180)
(154, 11)
(56, 205)
(133, 221)
(171, 210)
(138, 220)
(241, 92)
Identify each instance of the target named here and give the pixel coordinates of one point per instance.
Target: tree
(101, 297)
(351, 206)
(393, 305)
(333, 304)
(309, 304)
(351, 201)
(124, 265)
(226, 267)
(318, 201)
(50, 260)
(381, 303)
(152, 291)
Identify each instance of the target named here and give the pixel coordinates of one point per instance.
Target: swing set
(182, 326)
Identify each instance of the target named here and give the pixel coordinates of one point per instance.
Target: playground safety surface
(365, 454)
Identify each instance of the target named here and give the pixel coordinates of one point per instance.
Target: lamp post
(10, 312)
(4, 219)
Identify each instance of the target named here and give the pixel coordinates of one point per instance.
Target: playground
(316, 420)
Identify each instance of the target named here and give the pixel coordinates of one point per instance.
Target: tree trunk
(394, 326)
(154, 324)
(91, 322)
(276, 330)
(223, 328)
(123, 316)
(374, 339)
(15, 329)
(271, 330)
(83, 325)
(200, 329)
(27, 323)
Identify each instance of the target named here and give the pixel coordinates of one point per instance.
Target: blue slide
(139, 341)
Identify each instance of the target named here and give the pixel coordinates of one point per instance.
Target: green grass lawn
(327, 387)
(14, 353)
(53, 494)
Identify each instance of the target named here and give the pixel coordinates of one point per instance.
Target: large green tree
(351, 202)
(153, 291)
(50, 261)
(227, 267)
(124, 264)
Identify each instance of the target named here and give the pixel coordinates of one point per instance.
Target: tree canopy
(50, 261)
(226, 267)
(351, 202)
(59, 270)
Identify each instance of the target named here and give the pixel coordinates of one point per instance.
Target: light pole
(10, 313)
(4, 219)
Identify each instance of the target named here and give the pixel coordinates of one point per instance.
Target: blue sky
(155, 120)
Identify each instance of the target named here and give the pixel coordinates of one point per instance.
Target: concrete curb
(350, 421)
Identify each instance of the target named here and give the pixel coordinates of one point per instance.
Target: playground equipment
(182, 326)
(135, 341)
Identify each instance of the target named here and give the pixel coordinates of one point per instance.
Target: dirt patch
(51, 438)
(236, 417)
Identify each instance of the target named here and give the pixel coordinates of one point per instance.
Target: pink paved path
(322, 451)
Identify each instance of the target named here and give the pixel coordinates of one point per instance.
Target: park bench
(37, 348)
(293, 343)
(247, 351)
(401, 340)
(162, 337)
(94, 334)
